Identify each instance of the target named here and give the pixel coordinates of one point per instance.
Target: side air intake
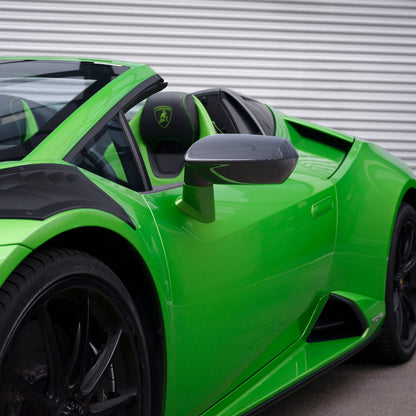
(340, 318)
(320, 136)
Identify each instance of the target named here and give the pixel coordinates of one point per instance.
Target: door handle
(322, 207)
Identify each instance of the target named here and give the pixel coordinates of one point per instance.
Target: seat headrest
(169, 118)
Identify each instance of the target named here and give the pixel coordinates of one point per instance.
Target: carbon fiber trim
(43, 190)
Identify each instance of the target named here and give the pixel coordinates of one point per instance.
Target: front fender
(28, 235)
(19, 237)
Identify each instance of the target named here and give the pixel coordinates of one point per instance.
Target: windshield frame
(99, 72)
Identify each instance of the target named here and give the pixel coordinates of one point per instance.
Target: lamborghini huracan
(172, 253)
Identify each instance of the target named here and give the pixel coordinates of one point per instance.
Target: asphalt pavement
(356, 387)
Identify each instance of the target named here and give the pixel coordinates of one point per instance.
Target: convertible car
(169, 253)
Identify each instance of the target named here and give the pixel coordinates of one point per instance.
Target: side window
(109, 155)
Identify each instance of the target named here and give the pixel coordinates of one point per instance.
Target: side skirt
(280, 396)
(343, 323)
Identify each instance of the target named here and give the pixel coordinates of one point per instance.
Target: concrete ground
(354, 388)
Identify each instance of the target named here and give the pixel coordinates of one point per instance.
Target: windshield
(36, 96)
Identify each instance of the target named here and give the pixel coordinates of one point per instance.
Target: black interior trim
(166, 165)
(161, 188)
(140, 166)
(232, 112)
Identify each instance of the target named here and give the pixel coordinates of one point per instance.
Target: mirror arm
(197, 198)
(193, 178)
(238, 159)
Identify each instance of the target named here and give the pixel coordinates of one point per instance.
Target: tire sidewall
(404, 353)
(51, 271)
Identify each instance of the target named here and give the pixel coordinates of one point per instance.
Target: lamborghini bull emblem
(163, 115)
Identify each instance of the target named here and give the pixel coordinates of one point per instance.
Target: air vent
(340, 318)
(320, 136)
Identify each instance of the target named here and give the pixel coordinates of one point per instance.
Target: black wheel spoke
(396, 301)
(398, 311)
(94, 375)
(36, 399)
(404, 320)
(409, 307)
(78, 362)
(108, 407)
(409, 265)
(406, 244)
(54, 360)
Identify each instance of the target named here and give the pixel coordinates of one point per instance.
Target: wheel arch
(410, 197)
(122, 257)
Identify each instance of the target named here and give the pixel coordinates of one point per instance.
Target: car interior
(164, 127)
(169, 122)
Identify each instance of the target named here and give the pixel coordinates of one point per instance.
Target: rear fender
(370, 185)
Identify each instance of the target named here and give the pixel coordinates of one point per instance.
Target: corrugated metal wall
(346, 64)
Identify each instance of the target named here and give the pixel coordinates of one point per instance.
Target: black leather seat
(169, 124)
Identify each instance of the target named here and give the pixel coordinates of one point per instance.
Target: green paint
(240, 289)
(31, 125)
(198, 202)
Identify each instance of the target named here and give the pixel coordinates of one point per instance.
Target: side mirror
(232, 159)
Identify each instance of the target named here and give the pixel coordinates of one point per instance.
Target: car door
(244, 286)
(241, 288)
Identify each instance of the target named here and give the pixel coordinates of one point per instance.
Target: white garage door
(350, 65)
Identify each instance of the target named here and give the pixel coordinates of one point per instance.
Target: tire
(72, 343)
(397, 341)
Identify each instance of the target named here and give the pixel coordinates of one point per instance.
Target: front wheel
(397, 341)
(72, 343)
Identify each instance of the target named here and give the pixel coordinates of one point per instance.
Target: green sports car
(166, 253)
